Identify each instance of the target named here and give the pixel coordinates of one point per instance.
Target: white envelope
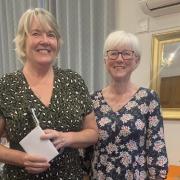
(32, 144)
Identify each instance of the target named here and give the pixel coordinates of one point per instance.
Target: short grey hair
(121, 38)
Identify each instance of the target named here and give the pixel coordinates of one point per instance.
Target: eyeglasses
(114, 54)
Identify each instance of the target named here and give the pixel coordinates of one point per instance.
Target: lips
(44, 50)
(119, 67)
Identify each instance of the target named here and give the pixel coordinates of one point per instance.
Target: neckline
(35, 96)
(121, 108)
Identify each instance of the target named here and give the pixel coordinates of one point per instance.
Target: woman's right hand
(35, 164)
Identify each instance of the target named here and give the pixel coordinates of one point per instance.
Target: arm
(89, 133)
(33, 164)
(84, 138)
(8, 155)
(157, 161)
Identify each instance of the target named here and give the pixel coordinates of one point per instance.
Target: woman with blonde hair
(59, 98)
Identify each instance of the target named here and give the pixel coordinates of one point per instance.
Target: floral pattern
(131, 144)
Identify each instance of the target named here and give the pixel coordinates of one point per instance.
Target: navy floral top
(70, 103)
(131, 144)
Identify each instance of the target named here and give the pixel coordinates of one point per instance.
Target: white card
(32, 144)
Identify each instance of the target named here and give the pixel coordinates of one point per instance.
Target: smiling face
(121, 54)
(41, 45)
(121, 67)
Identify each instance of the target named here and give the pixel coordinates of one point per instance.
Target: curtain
(84, 25)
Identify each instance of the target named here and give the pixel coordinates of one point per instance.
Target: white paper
(32, 144)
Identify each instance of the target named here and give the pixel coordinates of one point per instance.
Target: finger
(58, 141)
(35, 158)
(36, 164)
(49, 134)
(35, 170)
(59, 146)
(47, 131)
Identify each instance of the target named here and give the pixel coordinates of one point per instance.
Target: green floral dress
(70, 102)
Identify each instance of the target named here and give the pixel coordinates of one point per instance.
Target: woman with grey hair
(131, 145)
(59, 98)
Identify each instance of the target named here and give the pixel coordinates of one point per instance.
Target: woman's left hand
(59, 139)
(79, 139)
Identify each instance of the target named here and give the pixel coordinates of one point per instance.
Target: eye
(51, 35)
(113, 53)
(127, 53)
(35, 34)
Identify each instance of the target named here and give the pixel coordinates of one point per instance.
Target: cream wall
(131, 18)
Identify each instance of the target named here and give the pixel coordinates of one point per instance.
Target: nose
(45, 39)
(119, 58)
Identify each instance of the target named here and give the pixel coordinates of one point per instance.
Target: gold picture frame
(165, 50)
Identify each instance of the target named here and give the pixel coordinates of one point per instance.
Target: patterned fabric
(131, 144)
(70, 102)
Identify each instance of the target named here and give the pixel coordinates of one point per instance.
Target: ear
(105, 59)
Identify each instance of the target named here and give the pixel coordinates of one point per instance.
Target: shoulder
(9, 79)
(9, 84)
(96, 94)
(9, 76)
(147, 93)
(68, 74)
(71, 79)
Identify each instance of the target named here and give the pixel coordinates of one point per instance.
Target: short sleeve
(85, 99)
(79, 87)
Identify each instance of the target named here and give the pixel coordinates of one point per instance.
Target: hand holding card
(33, 144)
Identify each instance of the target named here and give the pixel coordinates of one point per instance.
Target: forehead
(121, 47)
(39, 24)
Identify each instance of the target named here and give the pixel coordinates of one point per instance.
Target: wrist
(70, 138)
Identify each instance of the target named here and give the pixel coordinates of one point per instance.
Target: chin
(45, 62)
(119, 77)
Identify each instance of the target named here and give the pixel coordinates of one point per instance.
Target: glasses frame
(120, 52)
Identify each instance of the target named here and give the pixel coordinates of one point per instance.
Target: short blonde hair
(120, 39)
(45, 18)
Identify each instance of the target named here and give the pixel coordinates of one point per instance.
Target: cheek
(106, 63)
(55, 47)
(109, 68)
(30, 45)
(55, 43)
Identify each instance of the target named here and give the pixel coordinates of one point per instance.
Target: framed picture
(165, 72)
